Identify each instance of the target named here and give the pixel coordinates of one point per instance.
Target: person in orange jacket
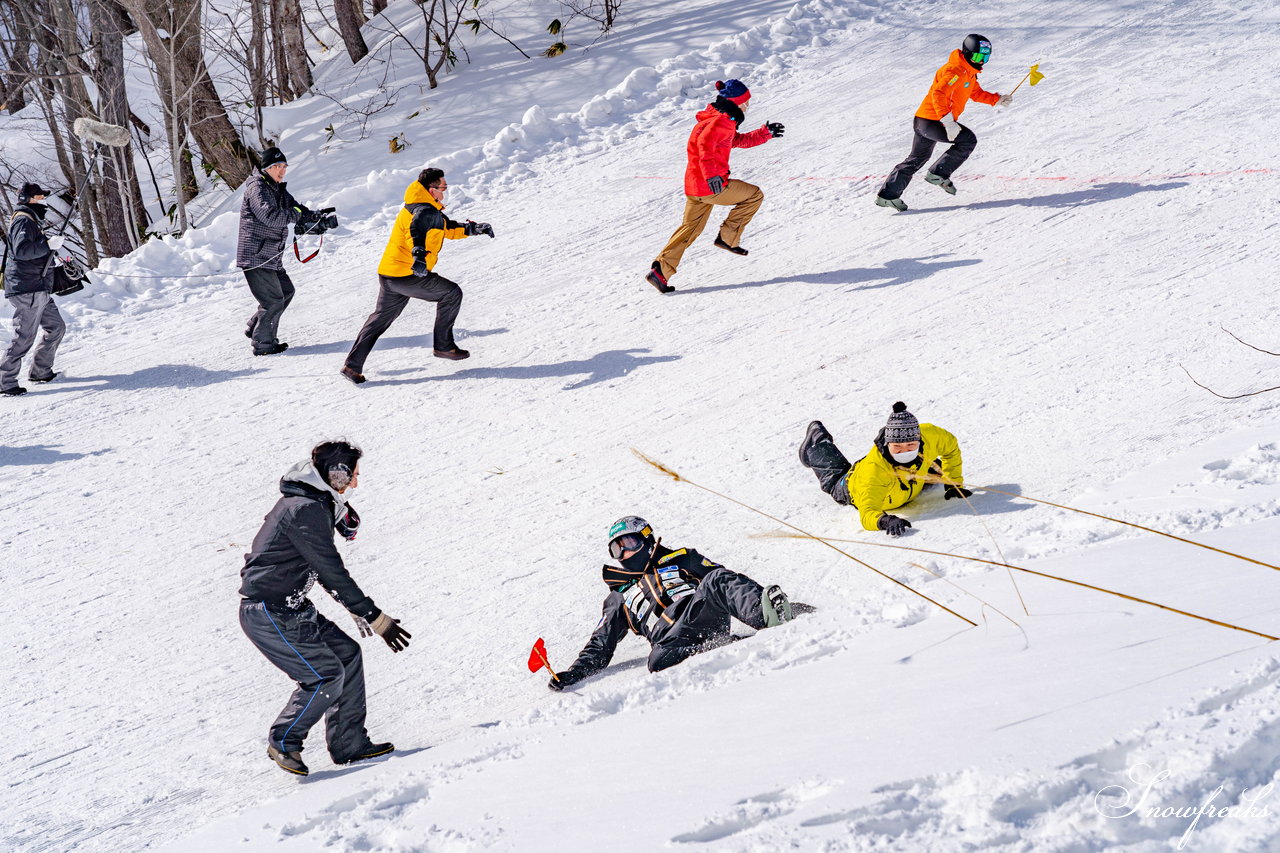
(707, 182)
(938, 120)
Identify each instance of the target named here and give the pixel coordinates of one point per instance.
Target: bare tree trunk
(350, 16)
(17, 59)
(120, 196)
(378, 6)
(286, 21)
(258, 65)
(284, 86)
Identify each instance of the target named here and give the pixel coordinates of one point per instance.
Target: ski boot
(776, 606)
(896, 203)
(937, 181)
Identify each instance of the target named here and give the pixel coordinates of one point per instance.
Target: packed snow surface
(1112, 222)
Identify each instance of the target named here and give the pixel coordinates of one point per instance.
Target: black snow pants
(393, 295)
(705, 620)
(830, 466)
(928, 133)
(328, 668)
(274, 291)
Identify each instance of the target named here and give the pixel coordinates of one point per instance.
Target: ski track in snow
(1045, 326)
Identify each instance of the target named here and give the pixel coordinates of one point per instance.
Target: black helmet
(976, 49)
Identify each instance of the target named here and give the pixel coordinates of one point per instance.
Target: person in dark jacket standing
(707, 182)
(293, 550)
(28, 284)
(407, 271)
(678, 600)
(266, 212)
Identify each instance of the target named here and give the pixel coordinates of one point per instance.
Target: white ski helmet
(629, 533)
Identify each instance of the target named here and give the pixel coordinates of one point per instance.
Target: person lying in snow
(678, 600)
(885, 478)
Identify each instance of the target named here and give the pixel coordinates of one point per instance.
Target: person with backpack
(895, 471)
(28, 285)
(294, 549)
(407, 271)
(707, 182)
(678, 600)
(938, 121)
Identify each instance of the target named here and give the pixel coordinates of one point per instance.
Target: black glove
(473, 228)
(775, 127)
(564, 679)
(716, 183)
(348, 524)
(390, 631)
(420, 261)
(893, 525)
(957, 492)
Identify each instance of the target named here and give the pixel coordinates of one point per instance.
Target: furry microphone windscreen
(101, 132)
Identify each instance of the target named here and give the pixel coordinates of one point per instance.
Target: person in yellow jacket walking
(407, 271)
(938, 120)
(888, 476)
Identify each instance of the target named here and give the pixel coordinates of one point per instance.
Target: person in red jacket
(938, 120)
(707, 182)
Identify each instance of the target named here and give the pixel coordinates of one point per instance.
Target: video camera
(316, 221)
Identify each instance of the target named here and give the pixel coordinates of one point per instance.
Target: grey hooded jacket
(295, 548)
(265, 215)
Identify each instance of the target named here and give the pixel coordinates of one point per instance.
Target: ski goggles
(983, 52)
(625, 542)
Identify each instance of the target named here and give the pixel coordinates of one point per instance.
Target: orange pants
(744, 197)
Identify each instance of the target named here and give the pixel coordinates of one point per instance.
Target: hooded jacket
(295, 548)
(877, 484)
(28, 253)
(266, 211)
(953, 85)
(421, 223)
(649, 604)
(715, 134)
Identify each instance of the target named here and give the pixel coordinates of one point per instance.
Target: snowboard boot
(737, 250)
(776, 607)
(657, 279)
(896, 203)
(370, 750)
(454, 354)
(291, 761)
(353, 375)
(815, 433)
(937, 181)
(15, 391)
(274, 349)
(42, 379)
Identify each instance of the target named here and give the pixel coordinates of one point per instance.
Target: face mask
(905, 458)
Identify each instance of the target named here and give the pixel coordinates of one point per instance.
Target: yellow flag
(1036, 76)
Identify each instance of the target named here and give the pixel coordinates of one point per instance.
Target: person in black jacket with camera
(678, 600)
(28, 284)
(266, 212)
(292, 551)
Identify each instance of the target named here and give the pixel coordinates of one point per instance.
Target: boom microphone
(100, 132)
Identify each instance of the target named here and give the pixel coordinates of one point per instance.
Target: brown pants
(744, 197)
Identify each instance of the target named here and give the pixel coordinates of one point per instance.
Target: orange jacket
(954, 84)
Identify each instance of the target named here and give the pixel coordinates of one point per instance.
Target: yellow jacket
(875, 484)
(421, 222)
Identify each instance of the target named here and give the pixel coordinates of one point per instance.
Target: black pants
(328, 668)
(928, 133)
(393, 295)
(830, 466)
(274, 291)
(705, 620)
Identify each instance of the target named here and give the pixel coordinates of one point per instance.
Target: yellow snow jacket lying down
(876, 484)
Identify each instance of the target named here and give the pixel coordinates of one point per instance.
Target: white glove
(1004, 101)
(950, 127)
(362, 626)
(55, 242)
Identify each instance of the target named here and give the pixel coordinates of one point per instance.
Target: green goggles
(982, 54)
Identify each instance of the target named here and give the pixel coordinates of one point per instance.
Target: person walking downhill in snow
(707, 182)
(884, 478)
(678, 600)
(266, 212)
(293, 550)
(28, 285)
(407, 271)
(938, 120)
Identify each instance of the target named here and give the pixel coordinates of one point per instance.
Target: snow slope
(1107, 224)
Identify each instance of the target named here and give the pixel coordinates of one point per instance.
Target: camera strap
(297, 254)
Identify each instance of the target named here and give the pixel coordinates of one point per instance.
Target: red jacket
(953, 85)
(709, 144)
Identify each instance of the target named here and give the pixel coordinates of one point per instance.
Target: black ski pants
(328, 668)
(928, 133)
(830, 466)
(393, 295)
(720, 595)
(274, 291)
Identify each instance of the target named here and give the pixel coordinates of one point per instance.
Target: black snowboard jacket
(649, 604)
(295, 548)
(28, 253)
